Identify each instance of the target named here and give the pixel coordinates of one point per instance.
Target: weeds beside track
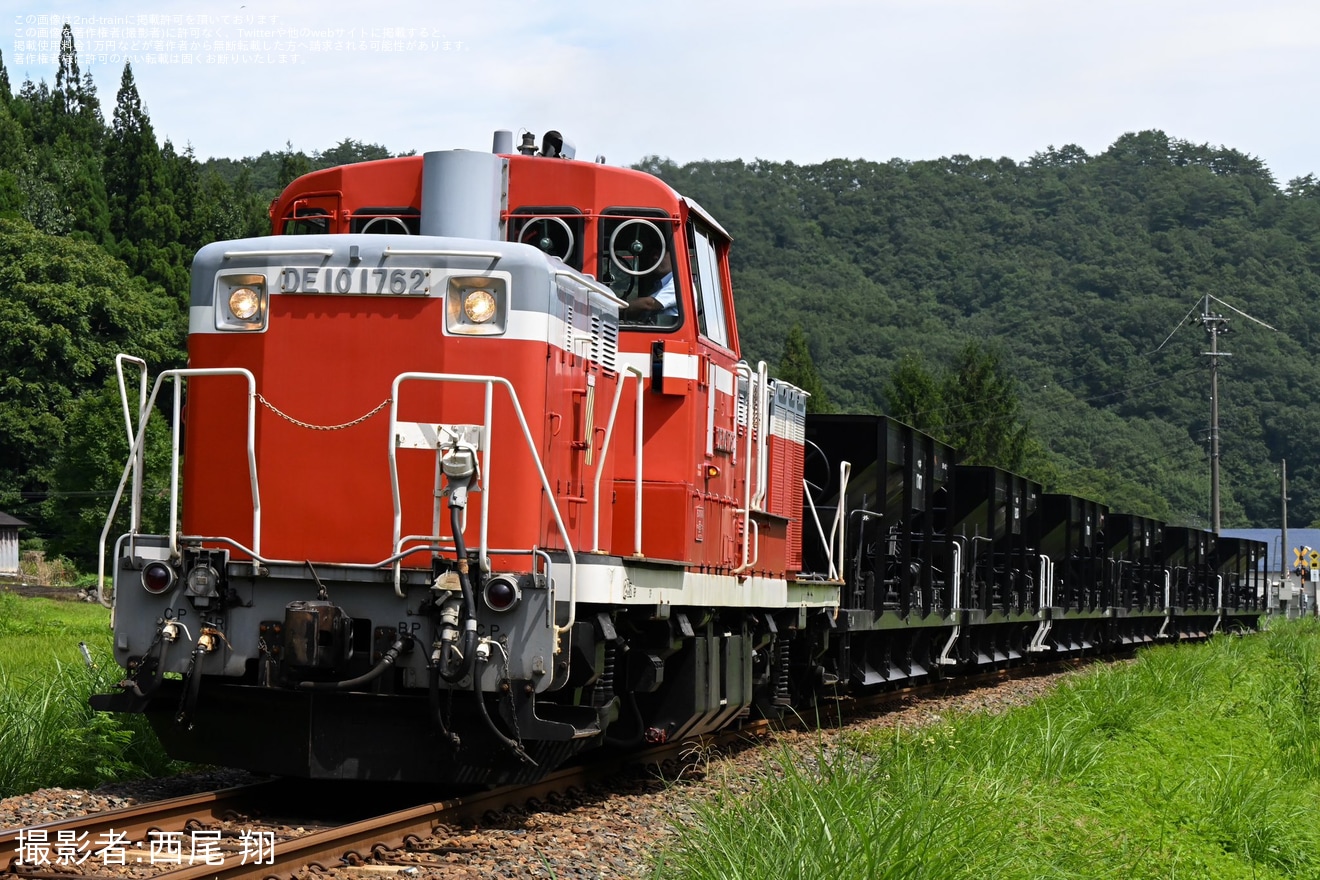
(1194, 760)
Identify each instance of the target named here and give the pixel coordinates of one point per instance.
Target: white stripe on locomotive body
(680, 366)
(723, 380)
(621, 584)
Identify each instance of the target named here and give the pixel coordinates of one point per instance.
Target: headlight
(244, 303)
(240, 302)
(477, 305)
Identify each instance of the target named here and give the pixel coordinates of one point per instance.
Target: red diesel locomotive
(474, 477)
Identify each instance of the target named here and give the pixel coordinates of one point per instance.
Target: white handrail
(139, 444)
(1219, 615)
(604, 456)
(489, 382)
(845, 470)
(139, 463)
(439, 252)
(290, 252)
(763, 434)
(956, 610)
(746, 510)
(1046, 605)
(820, 530)
(1168, 604)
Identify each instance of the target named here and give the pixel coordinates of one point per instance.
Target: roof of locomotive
(587, 186)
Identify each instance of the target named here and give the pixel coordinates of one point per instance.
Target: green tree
(973, 406)
(983, 418)
(86, 473)
(132, 165)
(292, 165)
(6, 90)
(796, 366)
(66, 310)
(915, 396)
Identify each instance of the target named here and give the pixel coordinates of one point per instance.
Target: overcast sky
(799, 80)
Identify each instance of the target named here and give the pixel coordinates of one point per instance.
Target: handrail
(494, 256)
(763, 435)
(820, 530)
(744, 371)
(1046, 605)
(845, 470)
(489, 382)
(139, 463)
(955, 612)
(1168, 603)
(139, 444)
(290, 252)
(604, 455)
(1219, 616)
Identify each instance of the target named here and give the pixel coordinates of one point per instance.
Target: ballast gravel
(603, 832)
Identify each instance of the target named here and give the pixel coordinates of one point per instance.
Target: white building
(9, 526)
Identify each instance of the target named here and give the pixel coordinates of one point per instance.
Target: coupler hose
(450, 670)
(402, 645)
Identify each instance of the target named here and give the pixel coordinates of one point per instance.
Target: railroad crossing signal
(1306, 558)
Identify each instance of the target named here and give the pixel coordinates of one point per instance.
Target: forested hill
(1070, 269)
(1075, 268)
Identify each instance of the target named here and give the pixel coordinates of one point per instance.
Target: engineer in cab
(660, 306)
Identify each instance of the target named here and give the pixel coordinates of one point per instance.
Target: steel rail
(138, 820)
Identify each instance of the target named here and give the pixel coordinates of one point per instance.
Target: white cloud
(781, 79)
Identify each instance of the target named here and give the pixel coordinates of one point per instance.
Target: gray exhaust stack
(463, 194)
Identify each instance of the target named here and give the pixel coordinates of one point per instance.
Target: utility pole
(1215, 324)
(1283, 548)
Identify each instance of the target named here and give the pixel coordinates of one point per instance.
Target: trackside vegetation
(1191, 761)
(49, 736)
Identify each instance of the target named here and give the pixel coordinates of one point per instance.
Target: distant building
(9, 526)
(1280, 557)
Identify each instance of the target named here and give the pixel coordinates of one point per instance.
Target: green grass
(1193, 761)
(49, 735)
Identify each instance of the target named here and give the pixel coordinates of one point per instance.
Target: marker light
(244, 303)
(501, 593)
(479, 306)
(157, 577)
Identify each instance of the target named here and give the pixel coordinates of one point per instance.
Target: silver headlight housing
(241, 302)
(476, 305)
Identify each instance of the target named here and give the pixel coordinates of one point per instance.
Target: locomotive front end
(370, 540)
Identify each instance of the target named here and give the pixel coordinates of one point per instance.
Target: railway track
(247, 832)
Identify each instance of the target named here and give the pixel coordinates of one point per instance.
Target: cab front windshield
(636, 262)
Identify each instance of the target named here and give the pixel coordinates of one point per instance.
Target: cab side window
(704, 259)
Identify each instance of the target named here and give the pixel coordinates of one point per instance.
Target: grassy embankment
(48, 734)
(1194, 761)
